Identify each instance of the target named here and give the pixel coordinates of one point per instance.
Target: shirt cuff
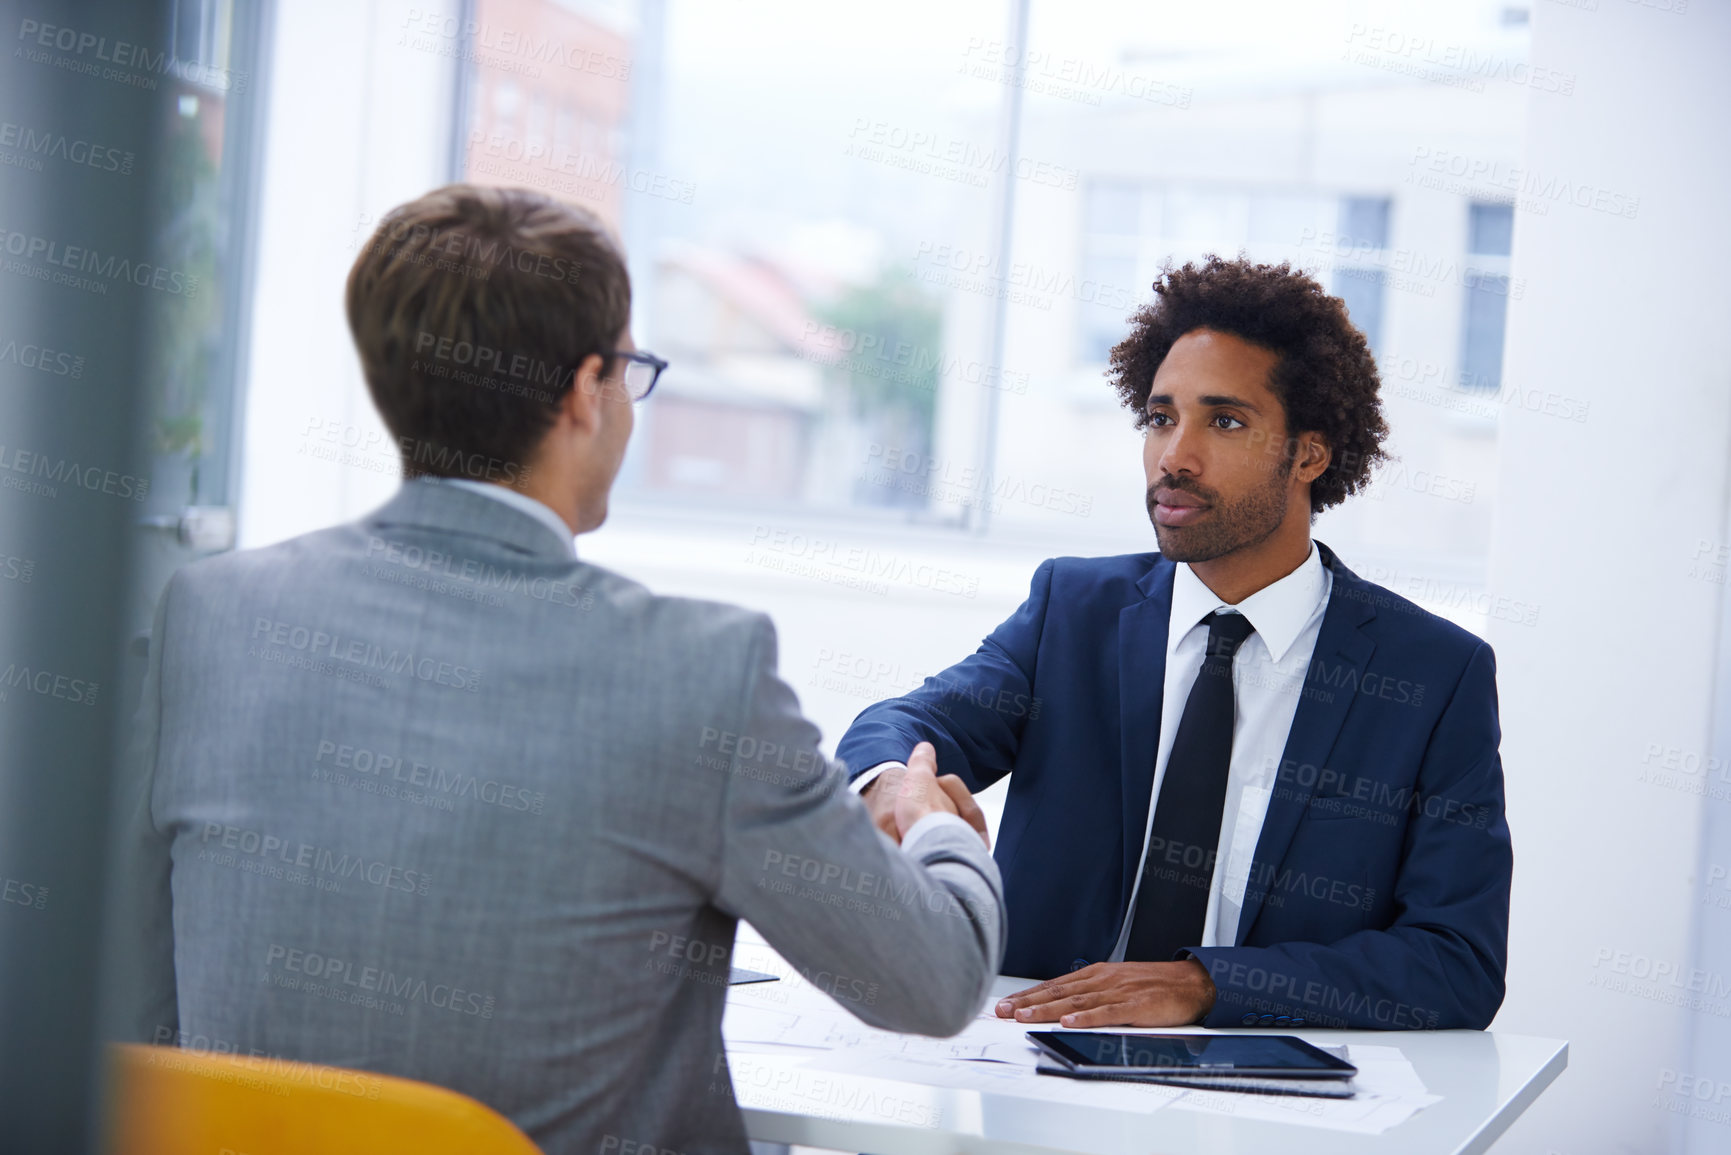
(870, 776)
(934, 822)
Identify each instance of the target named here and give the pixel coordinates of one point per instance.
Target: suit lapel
(1141, 687)
(1343, 650)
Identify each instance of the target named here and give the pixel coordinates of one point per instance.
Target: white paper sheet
(996, 1078)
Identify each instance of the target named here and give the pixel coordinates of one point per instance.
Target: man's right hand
(902, 795)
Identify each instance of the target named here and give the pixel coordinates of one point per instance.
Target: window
(1484, 312)
(1361, 280)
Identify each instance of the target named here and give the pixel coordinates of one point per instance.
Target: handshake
(902, 794)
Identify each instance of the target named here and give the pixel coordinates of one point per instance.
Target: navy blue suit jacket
(1379, 890)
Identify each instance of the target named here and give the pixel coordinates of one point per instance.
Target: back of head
(471, 308)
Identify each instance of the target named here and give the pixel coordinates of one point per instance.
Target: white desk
(1485, 1080)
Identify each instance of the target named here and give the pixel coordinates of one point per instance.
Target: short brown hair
(1326, 377)
(471, 308)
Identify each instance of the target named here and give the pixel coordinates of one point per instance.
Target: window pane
(1364, 221)
(1362, 290)
(1112, 209)
(1490, 229)
(1484, 318)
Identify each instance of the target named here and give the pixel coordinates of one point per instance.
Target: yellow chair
(165, 1101)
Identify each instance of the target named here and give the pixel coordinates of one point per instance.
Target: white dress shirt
(1268, 680)
(521, 502)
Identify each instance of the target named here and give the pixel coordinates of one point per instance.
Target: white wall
(1601, 519)
(358, 123)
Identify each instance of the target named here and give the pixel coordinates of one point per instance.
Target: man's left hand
(1126, 994)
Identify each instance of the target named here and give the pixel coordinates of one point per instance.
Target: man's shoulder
(326, 561)
(1402, 621)
(245, 568)
(1119, 574)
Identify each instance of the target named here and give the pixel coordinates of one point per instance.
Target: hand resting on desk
(1126, 994)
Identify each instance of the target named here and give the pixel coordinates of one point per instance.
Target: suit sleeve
(974, 713)
(142, 1001)
(1441, 965)
(906, 938)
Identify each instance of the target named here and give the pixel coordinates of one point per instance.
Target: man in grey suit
(425, 794)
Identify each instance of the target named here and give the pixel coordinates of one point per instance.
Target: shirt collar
(1278, 611)
(538, 510)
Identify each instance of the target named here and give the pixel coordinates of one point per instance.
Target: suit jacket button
(1077, 964)
(1249, 1020)
(1266, 1020)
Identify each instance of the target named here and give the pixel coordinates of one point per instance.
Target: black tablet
(1213, 1056)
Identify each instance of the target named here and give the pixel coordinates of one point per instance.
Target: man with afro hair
(1247, 787)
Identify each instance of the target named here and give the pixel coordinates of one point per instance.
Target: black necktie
(1172, 904)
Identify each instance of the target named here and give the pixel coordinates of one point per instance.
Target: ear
(581, 405)
(1312, 457)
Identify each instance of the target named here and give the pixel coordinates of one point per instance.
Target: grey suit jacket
(422, 795)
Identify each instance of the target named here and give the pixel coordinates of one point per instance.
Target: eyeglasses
(642, 371)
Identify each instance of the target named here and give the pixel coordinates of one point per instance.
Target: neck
(560, 499)
(1235, 576)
